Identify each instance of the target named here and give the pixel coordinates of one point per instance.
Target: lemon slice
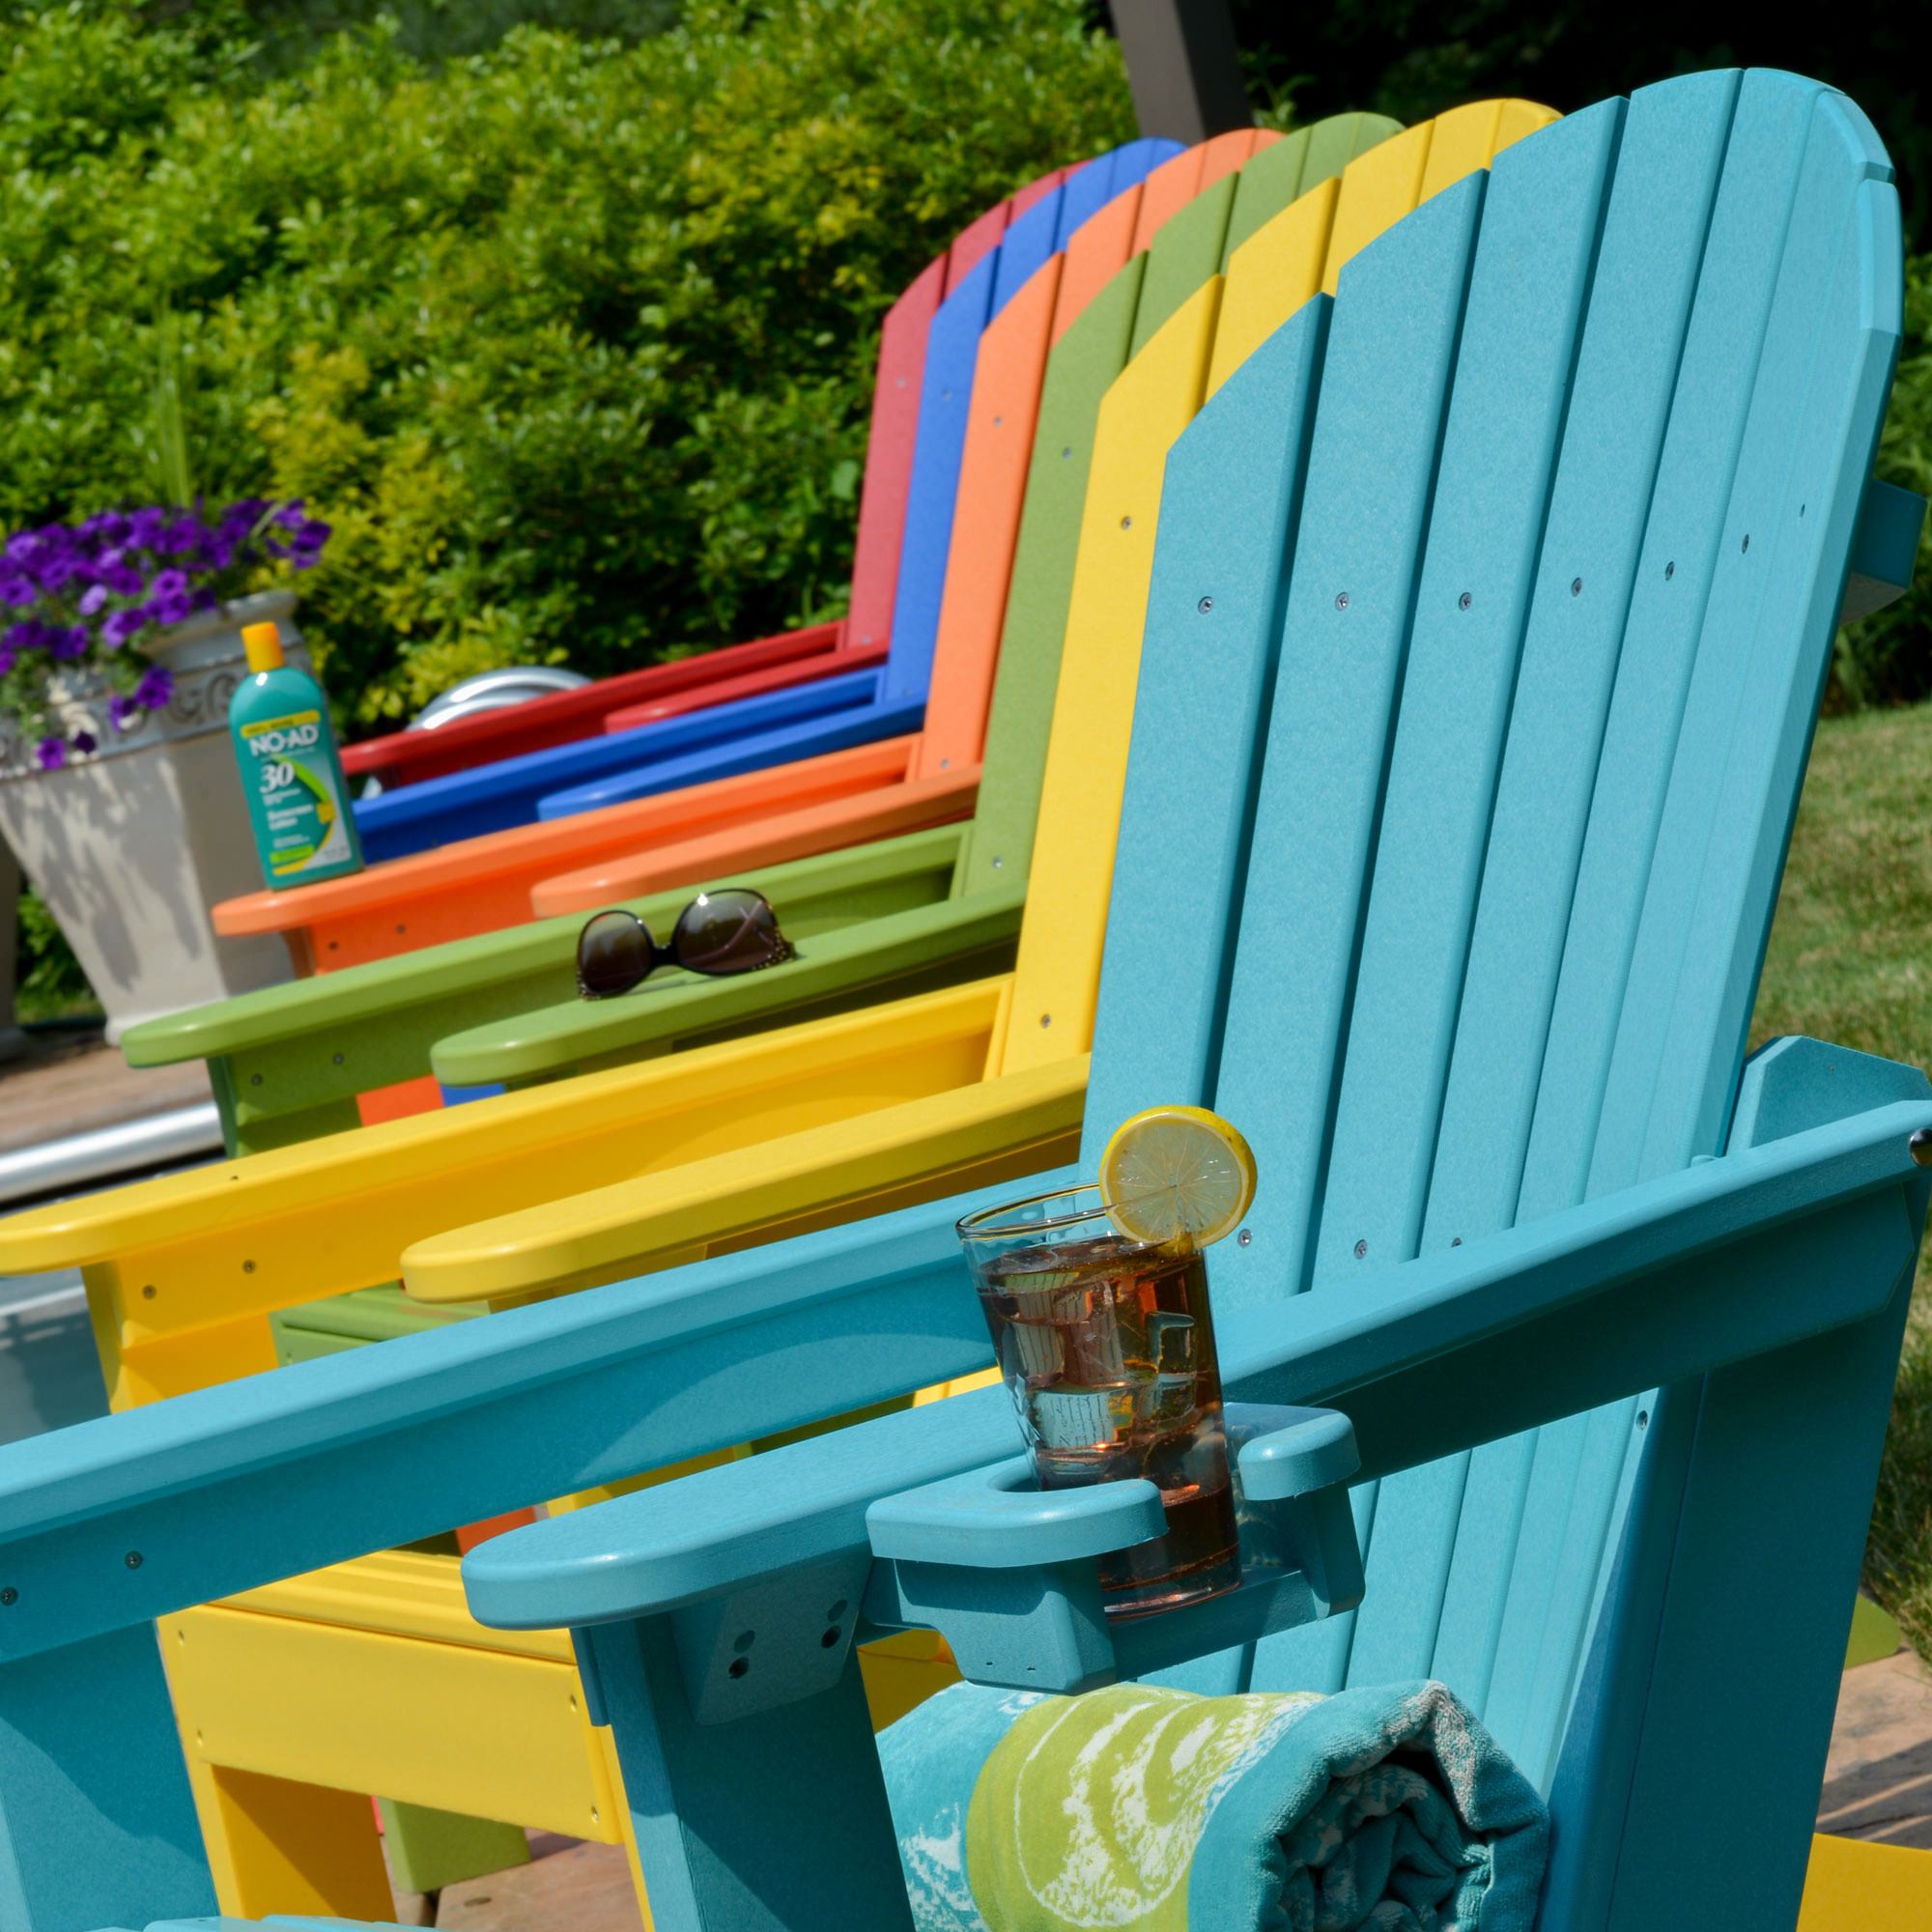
(1171, 1171)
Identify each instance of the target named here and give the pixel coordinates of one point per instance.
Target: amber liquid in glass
(1109, 1349)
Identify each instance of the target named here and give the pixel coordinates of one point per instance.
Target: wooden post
(1183, 67)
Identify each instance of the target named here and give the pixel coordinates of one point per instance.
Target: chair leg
(776, 1822)
(429, 1849)
(97, 1826)
(1764, 1531)
(278, 1846)
(628, 1831)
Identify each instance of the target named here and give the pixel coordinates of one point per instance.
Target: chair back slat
(882, 494)
(1039, 189)
(1028, 588)
(897, 388)
(972, 299)
(1279, 267)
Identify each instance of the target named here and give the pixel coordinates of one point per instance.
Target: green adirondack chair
(288, 1063)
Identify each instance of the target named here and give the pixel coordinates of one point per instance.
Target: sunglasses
(718, 934)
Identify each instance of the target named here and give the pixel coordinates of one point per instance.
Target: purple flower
(240, 517)
(86, 743)
(51, 753)
(156, 688)
(103, 581)
(183, 532)
(168, 597)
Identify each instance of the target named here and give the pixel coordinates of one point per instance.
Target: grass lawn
(1851, 961)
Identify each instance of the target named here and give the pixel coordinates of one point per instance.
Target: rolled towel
(1141, 1808)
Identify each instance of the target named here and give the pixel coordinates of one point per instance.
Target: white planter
(131, 847)
(12, 1042)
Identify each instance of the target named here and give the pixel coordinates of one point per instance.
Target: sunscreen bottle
(298, 801)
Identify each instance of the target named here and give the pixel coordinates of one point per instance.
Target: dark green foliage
(1411, 59)
(50, 983)
(570, 340)
(1887, 659)
(432, 30)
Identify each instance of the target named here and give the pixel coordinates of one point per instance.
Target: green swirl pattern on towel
(1090, 1808)
(1143, 1808)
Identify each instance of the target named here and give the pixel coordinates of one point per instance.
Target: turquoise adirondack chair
(1568, 478)
(1487, 1005)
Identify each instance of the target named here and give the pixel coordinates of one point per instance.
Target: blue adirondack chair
(801, 721)
(1344, 848)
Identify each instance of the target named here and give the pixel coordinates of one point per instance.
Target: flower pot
(130, 846)
(12, 1042)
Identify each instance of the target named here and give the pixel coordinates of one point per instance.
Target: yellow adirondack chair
(297, 1699)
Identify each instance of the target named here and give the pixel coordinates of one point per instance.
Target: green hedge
(1887, 659)
(570, 340)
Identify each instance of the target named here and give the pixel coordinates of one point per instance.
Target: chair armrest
(674, 704)
(582, 1033)
(403, 756)
(707, 743)
(1787, 1238)
(830, 730)
(233, 1486)
(423, 985)
(373, 991)
(884, 814)
(1802, 1229)
(996, 1517)
(1005, 1571)
(1885, 545)
(532, 852)
(1014, 1122)
(337, 1212)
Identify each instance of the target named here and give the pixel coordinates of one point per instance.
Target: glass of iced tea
(1108, 1349)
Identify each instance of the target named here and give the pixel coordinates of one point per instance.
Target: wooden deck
(69, 1084)
(1878, 1780)
(581, 1888)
